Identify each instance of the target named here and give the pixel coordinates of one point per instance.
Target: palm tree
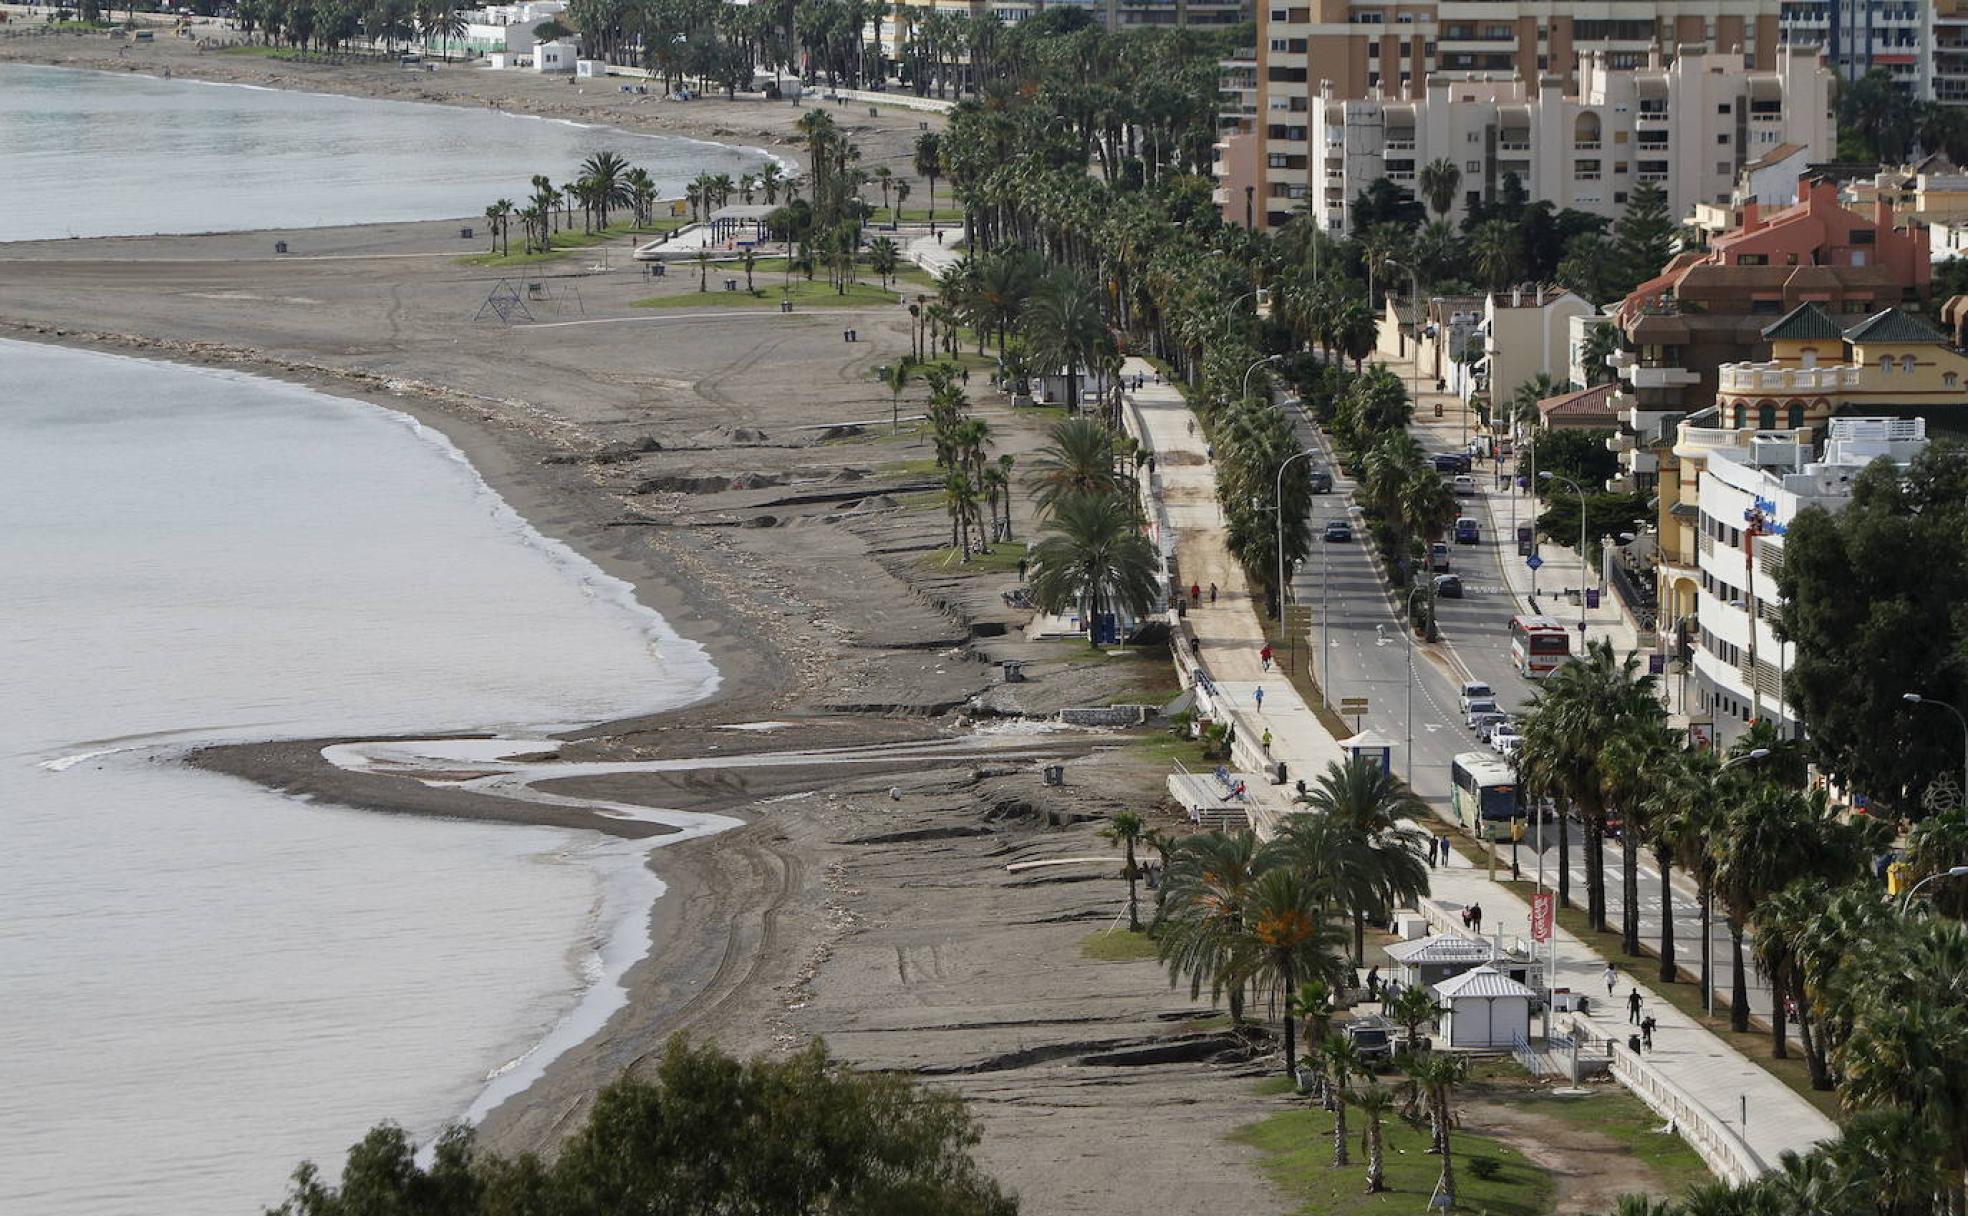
(1438, 1073)
(884, 177)
(1284, 941)
(1784, 923)
(1439, 180)
(883, 257)
(960, 500)
(1357, 842)
(1496, 251)
(1524, 415)
(703, 269)
(1078, 459)
(1630, 767)
(770, 178)
(928, 161)
(902, 189)
(1205, 893)
(1063, 325)
(1095, 559)
(1342, 1062)
(1601, 341)
(1373, 1099)
(498, 217)
(1411, 1007)
(606, 178)
(1126, 831)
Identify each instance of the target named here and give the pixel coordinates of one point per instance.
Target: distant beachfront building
(1688, 126)
(506, 28)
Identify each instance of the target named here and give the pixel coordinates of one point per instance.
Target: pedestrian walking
(1633, 1006)
(1264, 656)
(1195, 593)
(1212, 593)
(1476, 917)
(1258, 697)
(1021, 569)
(1467, 914)
(1612, 980)
(1647, 1025)
(1267, 738)
(1373, 982)
(1432, 842)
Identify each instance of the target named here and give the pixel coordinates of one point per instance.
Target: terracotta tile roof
(1586, 403)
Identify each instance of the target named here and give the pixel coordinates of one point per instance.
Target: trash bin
(280, 246)
(1014, 671)
(464, 234)
(1281, 772)
(785, 306)
(1055, 774)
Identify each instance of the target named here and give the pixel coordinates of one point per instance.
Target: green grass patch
(1296, 1148)
(1274, 1085)
(922, 500)
(1002, 559)
(925, 467)
(567, 242)
(1618, 1115)
(1119, 946)
(767, 295)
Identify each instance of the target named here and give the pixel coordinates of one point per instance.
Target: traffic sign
(1534, 561)
(1352, 705)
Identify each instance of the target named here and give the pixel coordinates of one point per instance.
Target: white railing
(1719, 1145)
(1774, 377)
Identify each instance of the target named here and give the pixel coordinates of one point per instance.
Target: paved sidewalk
(1713, 1073)
(1715, 1076)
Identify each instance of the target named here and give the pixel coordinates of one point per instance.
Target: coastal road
(1365, 656)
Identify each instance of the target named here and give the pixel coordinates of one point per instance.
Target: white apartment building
(1690, 126)
(1747, 496)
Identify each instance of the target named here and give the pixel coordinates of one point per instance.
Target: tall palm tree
(1078, 459)
(1373, 1099)
(1064, 327)
(770, 179)
(498, 218)
(1094, 558)
(1438, 1073)
(1206, 894)
(1439, 180)
(1631, 765)
(1342, 1063)
(606, 177)
(1784, 923)
(1361, 841)
(1284, 941)
(1496, 252)
(1126, 831)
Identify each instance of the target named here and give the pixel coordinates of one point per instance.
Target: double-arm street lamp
(1951, 872)
(1278, 503)
(1243, 394)
(1914, 698)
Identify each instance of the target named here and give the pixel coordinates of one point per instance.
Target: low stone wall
(1105, 715)
(1727, 1155)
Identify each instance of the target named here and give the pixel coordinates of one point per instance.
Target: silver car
(1479, 705)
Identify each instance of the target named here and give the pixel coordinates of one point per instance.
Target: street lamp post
(1906, 904)
(1414, 323)
(1584, 575)
(1278, 501)
(1243, 394)
(1914, 698)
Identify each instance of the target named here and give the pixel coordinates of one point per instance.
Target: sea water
(108, 154)
(202, 982)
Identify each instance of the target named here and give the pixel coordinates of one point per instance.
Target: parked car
(1465, 486)
(1321, 481)
(1338, 530)
(1373, 1038)
(1479, 705)
(1448, 587)
(1452, 462)
(1467, 531)
(1474, 690)
(1438, 556)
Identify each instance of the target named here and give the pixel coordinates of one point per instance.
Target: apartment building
(1717, 306)
(1859, 36)
(1721, 545)
(1360, 46)
(1689, 126)
(1946, 43)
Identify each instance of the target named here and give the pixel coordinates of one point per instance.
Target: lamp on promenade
(1243, 394)
(1951, 872)
(1407, 631)
(1746, 758)
(1278, 503)
(1584, 575)
(1914, 698)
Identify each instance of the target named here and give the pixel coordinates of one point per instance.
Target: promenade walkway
(1691, 1071)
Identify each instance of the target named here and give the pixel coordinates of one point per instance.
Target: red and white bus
(1539, 645)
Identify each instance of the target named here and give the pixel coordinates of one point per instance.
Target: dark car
(1321, 481)
(1448, 586)
(1373, 1038)
(1452, 462)
(1338, 530)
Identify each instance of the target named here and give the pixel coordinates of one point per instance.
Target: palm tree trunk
(1134, 907)
(1705, 902)
(1564, 857)
(1339, 1131)
(1630, 894)
(1376, 1156)
(1739, 980)
(1359, 937)
(1595, 873)
(1291, 1023)
(1779, 1019)
(1667, 970)
(1814, 1051)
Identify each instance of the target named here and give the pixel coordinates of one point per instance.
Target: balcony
(1586, 145)
(1514, 143)
(1406, 144)
(1774, 378)
(1697, 442)
(1622, 359)
(1620, 441)
(1645, 376)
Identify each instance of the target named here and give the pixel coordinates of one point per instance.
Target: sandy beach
(735, 466)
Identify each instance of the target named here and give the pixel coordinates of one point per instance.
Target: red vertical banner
(1542, 906)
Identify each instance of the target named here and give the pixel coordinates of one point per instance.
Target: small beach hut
(1485, 1009)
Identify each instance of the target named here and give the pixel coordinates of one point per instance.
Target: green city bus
(1483, 787)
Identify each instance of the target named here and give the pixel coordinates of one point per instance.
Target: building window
(1949, 379)
(1472, 166)
(1886, 365)
(1794, 415)
(1619, 196)
(1723, 108)
(1906, 364)
(1742, 412)
(1863, 236)
(1753, 259)
(1766, 416)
